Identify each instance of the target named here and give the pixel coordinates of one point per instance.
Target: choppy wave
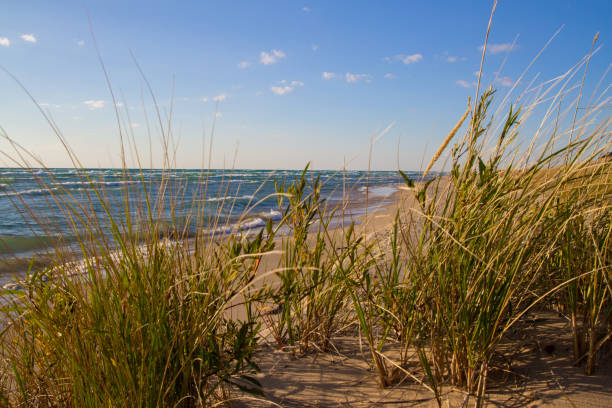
(231, 198)
(248, 223)
(227, 191)
(34, 191)
(379, 191)
(96, 182)
(64, 186)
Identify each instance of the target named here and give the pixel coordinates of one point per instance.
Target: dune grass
(139, 313)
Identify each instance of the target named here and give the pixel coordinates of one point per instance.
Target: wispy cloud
(94, 104)
(218, 115)
(390, 76)
(329, 75)
(272, 57)
(463, 83)
(50, 105)
(452, 59)
(505, 81)
(405, 59)
(28, 38)
(499, 48)
(81, 43)
(352, 78)
(218, 98)
(314, 47)
(5, 42)
(306, 9)
(445, 57)
(243, 64)
(134, 125)
(221, 97)
(286, 87)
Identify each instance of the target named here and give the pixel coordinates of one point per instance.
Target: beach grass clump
(310, 299)
(481, 247)
(479, 250)
(584, 245)
(138, 320)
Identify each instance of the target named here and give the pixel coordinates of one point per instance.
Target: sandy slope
(536, 369)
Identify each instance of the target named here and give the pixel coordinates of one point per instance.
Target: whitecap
(231, 198)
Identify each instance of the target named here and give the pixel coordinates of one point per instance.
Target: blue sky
(295, 81)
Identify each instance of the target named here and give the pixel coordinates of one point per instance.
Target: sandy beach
(534, 367)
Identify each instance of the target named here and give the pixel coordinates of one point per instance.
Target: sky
(282, 82)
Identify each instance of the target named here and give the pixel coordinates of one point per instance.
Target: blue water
(33, 202)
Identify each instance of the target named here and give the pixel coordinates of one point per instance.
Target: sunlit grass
(137, 309)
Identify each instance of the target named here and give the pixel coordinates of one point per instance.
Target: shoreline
(354, 210)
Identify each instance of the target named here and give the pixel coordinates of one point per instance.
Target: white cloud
(28, 38)
(80, 43)
(272, 57)
(315, 47)
(498, 48)
(220, 97)
(281, 90)
(390, 76)
(328, 75)
(5, 42)
(218, 115)
(411, 59)
(505, 81)
(285, 89)
(306, 9)
(452, 59)
(204, 99)
(94, 104)
(352, 78)
(405, 59)
(134, 125)
(243, 64)
(463, 83)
